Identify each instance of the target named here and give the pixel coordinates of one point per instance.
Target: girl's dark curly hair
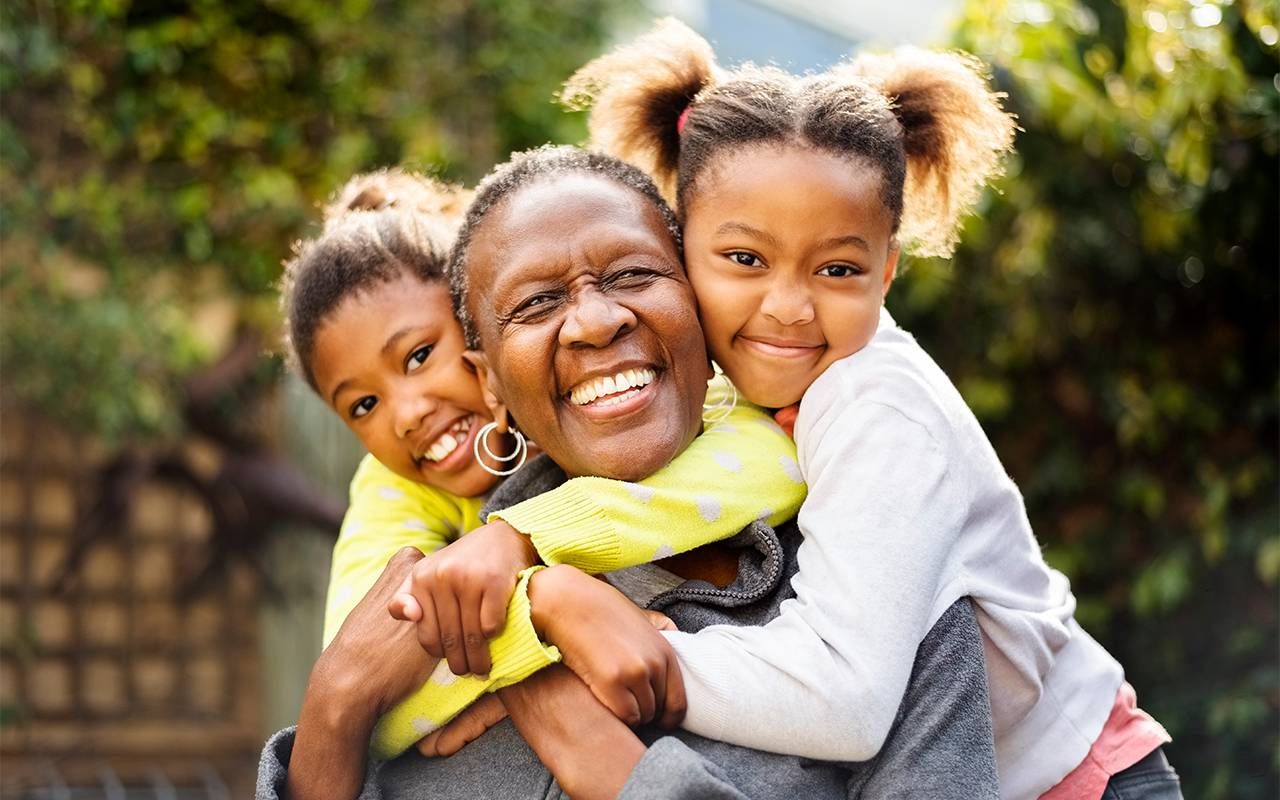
(379, 226)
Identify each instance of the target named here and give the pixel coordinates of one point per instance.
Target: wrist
(519, 543)
(334, 701)
(546, 591)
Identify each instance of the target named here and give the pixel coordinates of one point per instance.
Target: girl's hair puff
(378, 227)
(927, 121)
(638, 93)
(393, 187)
(954, 132)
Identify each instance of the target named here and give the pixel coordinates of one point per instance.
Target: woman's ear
(488, 388)
(890, 268)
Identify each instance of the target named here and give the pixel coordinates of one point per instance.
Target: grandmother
(568, 267)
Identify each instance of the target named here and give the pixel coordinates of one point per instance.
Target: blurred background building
(168, 498)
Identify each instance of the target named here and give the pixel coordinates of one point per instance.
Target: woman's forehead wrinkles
(599, 245)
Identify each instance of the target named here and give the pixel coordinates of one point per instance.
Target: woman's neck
(715, 563)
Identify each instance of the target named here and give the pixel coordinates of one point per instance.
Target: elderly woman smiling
(568, 268)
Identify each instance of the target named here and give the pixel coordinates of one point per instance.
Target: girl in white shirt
(796, 195)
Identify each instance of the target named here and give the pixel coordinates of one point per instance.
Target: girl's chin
(471, 481)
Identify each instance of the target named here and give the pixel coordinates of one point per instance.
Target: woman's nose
(595, 320)
(411, 411)
(788, 303)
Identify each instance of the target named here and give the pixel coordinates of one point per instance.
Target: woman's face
(588, 325)
(389, 362)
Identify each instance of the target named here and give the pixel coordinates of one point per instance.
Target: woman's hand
(458, 595)
(373, 663)
(584, 745)
(612, 645)
(465, 728)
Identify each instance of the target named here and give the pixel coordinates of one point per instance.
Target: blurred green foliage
(156, 158)
(1111, 317)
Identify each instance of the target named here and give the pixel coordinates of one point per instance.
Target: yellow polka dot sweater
(739, 470)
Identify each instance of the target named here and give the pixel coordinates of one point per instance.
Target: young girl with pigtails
(796, 196)
(371, 328)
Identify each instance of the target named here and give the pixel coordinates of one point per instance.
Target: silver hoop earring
(518, 455)
(724, 401)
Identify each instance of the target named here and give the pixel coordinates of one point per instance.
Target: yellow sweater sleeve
(736, 472)
(516, 653)
(388, 512)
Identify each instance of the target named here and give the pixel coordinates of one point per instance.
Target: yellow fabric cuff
(565, 526)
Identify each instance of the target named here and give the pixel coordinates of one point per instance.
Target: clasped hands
(457, 598)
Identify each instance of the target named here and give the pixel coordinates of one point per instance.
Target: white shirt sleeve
(824, 679)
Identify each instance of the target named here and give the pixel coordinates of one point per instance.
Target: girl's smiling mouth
(774, 347)
(451, 447)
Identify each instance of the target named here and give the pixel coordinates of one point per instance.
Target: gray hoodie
(940, 746)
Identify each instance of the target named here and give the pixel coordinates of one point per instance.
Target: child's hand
(458, 595)
(612, 645)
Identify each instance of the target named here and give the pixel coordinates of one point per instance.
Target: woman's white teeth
(449, 440)
(628, 382)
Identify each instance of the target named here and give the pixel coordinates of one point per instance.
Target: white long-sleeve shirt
(909, 509)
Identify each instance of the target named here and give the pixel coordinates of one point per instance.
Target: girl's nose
(411, 412)
(594, 320)
(788, 303)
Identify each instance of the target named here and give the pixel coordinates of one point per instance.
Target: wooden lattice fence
(116, 672)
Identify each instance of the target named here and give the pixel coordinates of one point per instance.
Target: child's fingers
(659, 621)
(621, 702)
(404, 606)
(493, 612)
(646, 700)
(474, 642)
(450, 621)
(429, 629)
(674, 703)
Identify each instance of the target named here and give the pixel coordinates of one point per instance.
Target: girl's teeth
(449, 441)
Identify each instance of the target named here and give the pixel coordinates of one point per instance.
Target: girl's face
(389, 362)
(791, 252)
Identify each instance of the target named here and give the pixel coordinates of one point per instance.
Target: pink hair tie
(683, 119)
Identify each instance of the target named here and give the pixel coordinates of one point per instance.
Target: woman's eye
(840, 270)
(418, 357)
(745, 259)
(536, 304)
(363, 406)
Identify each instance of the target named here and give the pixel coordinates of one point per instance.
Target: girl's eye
(363, 406)
(418, 357)
(745, 259)
(840, 271)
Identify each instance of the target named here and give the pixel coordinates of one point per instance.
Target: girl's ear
(488, 388)
(890, 268)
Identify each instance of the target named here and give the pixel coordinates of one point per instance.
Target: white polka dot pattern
(709, 508)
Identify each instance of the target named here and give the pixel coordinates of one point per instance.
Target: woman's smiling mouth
(607, 396)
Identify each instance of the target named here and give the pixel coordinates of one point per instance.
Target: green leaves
(175, 151)
(1110, 316)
